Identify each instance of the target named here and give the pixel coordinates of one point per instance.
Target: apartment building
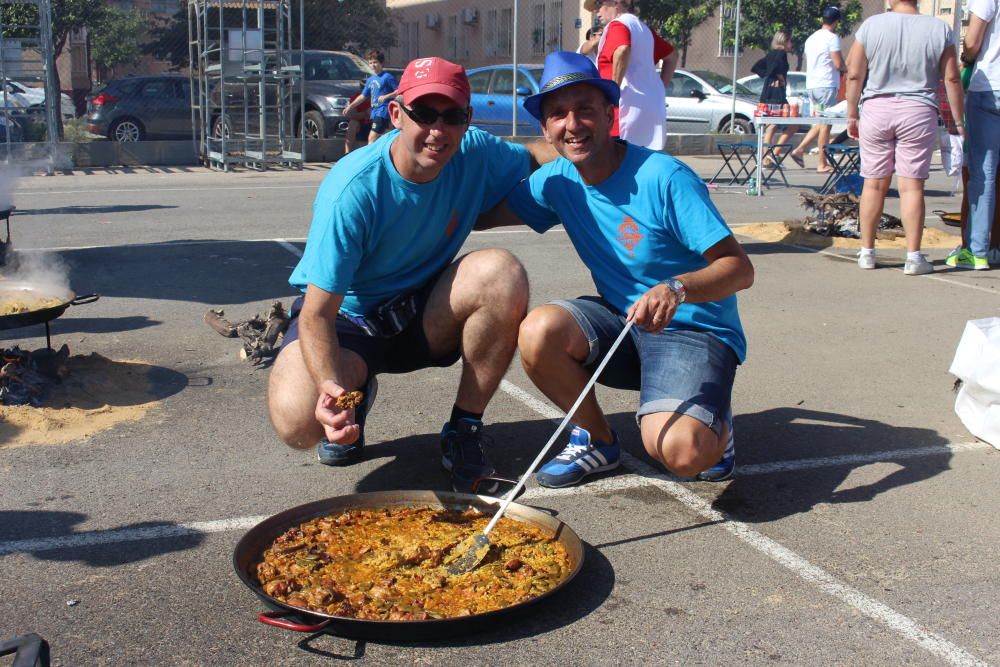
(480, 32)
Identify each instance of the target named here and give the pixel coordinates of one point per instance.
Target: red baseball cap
(434, 76)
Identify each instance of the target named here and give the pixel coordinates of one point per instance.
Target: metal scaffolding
(28, 132)
(246, 82)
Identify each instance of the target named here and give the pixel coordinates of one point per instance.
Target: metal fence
(136, 91)
(29, 121)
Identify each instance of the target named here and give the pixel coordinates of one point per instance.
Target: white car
(701, 101)
(34, 97)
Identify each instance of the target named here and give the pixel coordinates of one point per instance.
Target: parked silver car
(701, 101)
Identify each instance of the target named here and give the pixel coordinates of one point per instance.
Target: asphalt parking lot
(860, 529)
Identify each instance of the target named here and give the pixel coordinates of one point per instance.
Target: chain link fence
(126, 76)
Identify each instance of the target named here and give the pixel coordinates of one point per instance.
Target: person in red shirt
(627, 54)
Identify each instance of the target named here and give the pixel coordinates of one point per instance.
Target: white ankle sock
(867, 251)
(913, 256)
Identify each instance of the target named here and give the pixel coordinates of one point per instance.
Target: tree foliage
(676, 20)
(762, 18)
(118, 39)
(353, 25)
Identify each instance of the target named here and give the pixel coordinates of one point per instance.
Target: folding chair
(742, 156)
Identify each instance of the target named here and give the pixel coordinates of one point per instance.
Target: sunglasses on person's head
(429, 116)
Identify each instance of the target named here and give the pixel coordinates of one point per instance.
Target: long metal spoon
(472, 550)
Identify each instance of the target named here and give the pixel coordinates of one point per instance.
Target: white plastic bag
(951, 152)
(977, 364)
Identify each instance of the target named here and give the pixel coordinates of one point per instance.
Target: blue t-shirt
(650, 220)
(375, 235)
(376, 86)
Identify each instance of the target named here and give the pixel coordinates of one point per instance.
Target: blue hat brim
(533, 103)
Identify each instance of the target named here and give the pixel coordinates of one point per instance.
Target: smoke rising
(45, 269)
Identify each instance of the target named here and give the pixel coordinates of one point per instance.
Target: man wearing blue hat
(660, 253)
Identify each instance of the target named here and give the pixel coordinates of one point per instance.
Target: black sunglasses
(428, 116)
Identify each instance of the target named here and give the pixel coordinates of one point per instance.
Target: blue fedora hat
(564, 68)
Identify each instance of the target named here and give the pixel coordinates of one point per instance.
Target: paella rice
(18, 305)
(390, 564)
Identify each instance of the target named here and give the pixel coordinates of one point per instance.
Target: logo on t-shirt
(452, 224)
(629, 236)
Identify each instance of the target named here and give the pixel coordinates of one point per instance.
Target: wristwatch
(677, 287)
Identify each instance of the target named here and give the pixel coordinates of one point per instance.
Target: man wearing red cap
(382, 290)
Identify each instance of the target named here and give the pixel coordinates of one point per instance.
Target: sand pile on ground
(780, 232)
(97, 394)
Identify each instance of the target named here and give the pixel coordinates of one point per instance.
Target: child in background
(379, 89)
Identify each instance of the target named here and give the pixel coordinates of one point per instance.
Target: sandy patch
(98, 394)
(779, 232)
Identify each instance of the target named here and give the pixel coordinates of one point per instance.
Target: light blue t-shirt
(650, 220)
(375, 235)
(376, 86)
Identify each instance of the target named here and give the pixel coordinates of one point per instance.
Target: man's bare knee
(291, 400)
(541, 333)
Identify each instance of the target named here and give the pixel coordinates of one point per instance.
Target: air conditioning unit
(433, 21)
(470, 16)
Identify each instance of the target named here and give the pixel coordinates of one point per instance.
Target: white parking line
(940, 279)
(624, 482)
(46, 193)
(117, 536)
(826, 582)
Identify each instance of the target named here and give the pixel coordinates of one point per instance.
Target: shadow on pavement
(90, 325)
(90, 210)
(797, 433)
(212, 272)
(40, 525)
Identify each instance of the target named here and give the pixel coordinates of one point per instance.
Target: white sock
(913, 256)
(867, 251)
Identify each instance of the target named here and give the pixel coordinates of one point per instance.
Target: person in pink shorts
(897, 123)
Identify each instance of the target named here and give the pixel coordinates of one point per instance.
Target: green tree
(67, 16)
(354, 25)
(676, 20)
(762, 18)
(116, 41)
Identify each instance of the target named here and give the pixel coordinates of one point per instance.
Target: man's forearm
(540, 152)
(719, 280)
(667, 68)
(320, 347)
(619, 63)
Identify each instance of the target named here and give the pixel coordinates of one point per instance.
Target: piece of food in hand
(349, 400)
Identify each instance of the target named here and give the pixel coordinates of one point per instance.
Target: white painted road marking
(785, 557)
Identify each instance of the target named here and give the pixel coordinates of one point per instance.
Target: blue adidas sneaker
(722, 470)
(333, 454)
(579, 459)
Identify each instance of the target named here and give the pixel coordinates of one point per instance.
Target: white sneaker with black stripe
(579, 459)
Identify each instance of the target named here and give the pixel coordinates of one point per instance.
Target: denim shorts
(683, 371)
(825, 96)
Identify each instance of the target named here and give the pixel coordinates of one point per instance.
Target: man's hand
(654, 309)
(338, 423)
(852, 128)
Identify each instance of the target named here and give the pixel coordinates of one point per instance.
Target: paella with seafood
(391, 564)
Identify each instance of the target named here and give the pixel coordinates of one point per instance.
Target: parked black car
(141, 107)
(332, 80)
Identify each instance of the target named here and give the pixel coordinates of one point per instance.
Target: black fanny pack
(389, 319)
